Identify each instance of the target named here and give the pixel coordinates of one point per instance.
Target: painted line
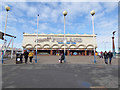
(98, 87)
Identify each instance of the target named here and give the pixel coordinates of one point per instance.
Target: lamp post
(113, 44)
(64, 13)
(7, 9)
(37, 38)
(4, 46)
(12, 47)
(93, 13)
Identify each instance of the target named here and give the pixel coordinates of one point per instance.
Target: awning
(55, 47)
(81, 47)
(72, 46)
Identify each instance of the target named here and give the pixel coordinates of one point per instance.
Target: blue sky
(23, 18)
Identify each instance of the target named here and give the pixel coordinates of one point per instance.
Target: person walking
(62, 58)
(110, 55)
(30, 56)
(26, 56)
(101, 54)
(106, 57)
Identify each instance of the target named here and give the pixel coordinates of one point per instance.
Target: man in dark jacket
(106, 57)
(62, 58)
(110, 55)
(26, 56)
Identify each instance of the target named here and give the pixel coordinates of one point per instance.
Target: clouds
(109, 7)
(23, 18)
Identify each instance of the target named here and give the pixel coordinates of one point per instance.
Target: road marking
(98, 87)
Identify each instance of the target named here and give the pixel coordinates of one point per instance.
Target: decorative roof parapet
(84, 35)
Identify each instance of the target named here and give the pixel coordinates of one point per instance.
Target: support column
(82, 53)
(113, 46)
(51, 52)
(12, 48)
(34, 52)
(85, 52)
(68, 52)
(89, 53)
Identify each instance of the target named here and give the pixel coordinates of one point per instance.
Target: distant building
(53, 44)
(8, 52)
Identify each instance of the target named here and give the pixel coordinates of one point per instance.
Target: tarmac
(69, 60)
(77, 72)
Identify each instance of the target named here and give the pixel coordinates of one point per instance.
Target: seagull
(114, 32)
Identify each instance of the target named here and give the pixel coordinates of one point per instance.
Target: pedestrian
(62, 58)
(30, 56)
(106, 57)
(101, 54)
(26, 56)
(110, 55)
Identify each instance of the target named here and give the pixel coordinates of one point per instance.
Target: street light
(64, 13)
(7, 9)
(37, 38)
(93, 13)
(113, 44)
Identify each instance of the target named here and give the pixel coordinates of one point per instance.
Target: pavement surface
(59, 76)
(69, 60)
(77, 72)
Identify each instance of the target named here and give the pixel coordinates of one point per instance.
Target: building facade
(53, 44)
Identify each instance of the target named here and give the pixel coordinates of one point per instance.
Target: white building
(53, 44)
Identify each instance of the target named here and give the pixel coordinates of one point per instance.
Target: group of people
(107, 56)
(31, 54)
(28, 54)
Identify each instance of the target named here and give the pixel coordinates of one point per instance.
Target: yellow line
(97, 87)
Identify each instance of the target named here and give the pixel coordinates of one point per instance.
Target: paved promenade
(59, 76)
(69, 60)
(78, 72)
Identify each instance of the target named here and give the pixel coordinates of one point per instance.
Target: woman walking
(26, 56)
(30, 56)
(110, 55)
(106, 57)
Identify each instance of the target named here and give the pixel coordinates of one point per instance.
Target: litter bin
(19, 57)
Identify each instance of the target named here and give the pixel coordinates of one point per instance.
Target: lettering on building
(59, 40)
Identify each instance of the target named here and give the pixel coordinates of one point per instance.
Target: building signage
(60, 43)
(67, 42)
(59, 40)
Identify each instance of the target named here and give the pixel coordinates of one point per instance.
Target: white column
(5, 31)
(12, 47)
(37, 32)
(37, 38)
(93, 33)
(64, 34)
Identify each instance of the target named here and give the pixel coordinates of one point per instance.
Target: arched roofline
(37, 45)
(72, 45)
(63, 45)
